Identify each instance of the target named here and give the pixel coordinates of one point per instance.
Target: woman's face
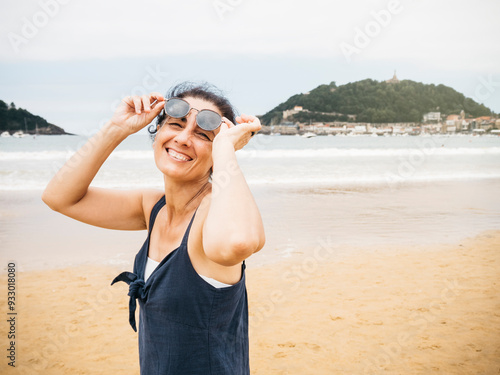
(182, 149)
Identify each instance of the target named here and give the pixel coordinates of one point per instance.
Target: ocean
(29, 163)
(344, 190)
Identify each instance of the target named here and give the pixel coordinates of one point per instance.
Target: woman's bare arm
(69, 192)
(233, 229)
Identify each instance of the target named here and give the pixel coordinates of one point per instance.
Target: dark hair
(203, 90)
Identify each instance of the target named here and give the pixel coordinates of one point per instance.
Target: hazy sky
(70, 61)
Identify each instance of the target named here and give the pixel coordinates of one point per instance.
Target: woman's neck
(182, 198)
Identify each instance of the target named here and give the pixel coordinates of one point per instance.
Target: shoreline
(376, 311)
(297, 220)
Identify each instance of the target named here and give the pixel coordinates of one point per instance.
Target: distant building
(485, 122)
(458, 122)
(285, 129)
(432, 116)
(394, 79)
(359, 129)
(466, 125)
(290, 112)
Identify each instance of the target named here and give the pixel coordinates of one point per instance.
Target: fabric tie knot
(136, 290)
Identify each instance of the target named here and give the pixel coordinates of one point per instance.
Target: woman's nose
(184, 136)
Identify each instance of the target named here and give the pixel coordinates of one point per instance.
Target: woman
(189, 276)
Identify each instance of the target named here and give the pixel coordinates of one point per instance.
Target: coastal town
(431, 123)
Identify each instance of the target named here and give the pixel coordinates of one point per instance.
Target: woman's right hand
(135, 112)
(69, 192)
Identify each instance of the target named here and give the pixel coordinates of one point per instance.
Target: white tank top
(152, 264)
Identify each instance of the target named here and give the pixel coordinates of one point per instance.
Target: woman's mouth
(177, 155)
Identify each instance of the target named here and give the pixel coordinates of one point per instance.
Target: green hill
(13, 119)
(375, 102)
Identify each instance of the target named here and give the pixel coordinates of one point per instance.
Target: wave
(64, 155)
(388, 178)
(271, 154)
(364, 152)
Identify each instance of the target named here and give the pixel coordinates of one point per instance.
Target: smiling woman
(189, 275)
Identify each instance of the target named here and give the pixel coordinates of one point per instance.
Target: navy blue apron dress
(186, 325)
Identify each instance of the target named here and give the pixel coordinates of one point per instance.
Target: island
(19, 122)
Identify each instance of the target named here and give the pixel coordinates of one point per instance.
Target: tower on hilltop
(394, 79)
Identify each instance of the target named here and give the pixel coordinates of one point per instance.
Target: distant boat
(5, 134)
(19, 134)
(308, 135)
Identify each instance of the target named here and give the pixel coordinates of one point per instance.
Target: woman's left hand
(238, 135)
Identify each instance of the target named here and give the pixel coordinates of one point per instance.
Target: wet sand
(399, 310)
(295, 219)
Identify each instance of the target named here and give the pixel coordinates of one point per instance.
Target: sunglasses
(206, 118)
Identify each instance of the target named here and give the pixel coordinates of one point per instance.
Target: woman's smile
(178, 156)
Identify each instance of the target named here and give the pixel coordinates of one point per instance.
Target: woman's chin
(182, 175)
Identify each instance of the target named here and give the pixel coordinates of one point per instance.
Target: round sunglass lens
(208, 120)
(176, 108)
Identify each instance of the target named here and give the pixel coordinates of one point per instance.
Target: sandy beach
(356, 277)
(400, 310)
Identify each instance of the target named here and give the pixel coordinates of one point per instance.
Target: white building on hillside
(432, 116)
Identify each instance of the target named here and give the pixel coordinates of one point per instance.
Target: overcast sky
(70, 61)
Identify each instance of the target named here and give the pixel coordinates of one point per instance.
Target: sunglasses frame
(189, 110)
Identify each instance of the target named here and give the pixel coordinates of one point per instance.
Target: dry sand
(400, 311)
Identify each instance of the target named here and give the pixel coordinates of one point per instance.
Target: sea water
(29, 163)
(340, 190)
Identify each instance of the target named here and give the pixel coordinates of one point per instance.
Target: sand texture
(408, 310)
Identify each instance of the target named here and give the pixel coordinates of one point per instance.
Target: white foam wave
(64, 155)
(376, 179)
(358, 152)
(371, 180)
(270, 154)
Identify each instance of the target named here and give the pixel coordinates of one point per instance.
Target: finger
(137, 104)
(222, 128)
(157, 105)
(247, 118)
(156, 108)
(156, 96)
(146, 103)
(253, 126)
(225, 120)
(128, 101)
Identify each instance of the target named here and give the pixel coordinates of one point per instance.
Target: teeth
(177, 156)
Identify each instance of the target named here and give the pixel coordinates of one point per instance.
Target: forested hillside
(13, 119)
(376, 102)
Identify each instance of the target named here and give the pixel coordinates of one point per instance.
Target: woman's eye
(204, 136)
(175, 124)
